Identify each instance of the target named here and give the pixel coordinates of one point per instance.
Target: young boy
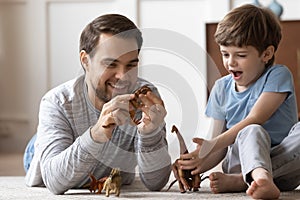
(254, 109)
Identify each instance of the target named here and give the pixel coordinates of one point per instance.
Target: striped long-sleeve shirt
(65, 153)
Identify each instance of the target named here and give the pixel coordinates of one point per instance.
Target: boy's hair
(249, 25)
(114, 24)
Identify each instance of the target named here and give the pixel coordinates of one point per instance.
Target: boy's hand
(191, 161)
(179, 175)
(194, 160)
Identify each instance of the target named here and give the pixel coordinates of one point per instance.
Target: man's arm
(64, 161)
(154, 160)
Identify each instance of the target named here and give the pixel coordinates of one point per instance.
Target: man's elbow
(56, 189)
(54, 186)
(158, 186)
(160, 180)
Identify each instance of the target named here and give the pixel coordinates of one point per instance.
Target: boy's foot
(221, 183)
(262, 186)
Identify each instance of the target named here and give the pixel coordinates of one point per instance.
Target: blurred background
(39, 50)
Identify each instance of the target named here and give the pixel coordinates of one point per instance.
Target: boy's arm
(263, 109)
(216, 129)
(207, 150)
(207, 162)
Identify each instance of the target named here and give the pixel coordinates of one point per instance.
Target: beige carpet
(13, 187)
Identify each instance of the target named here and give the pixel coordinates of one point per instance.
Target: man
(84, 124)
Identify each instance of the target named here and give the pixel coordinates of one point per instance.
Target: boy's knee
(295, 129)
(253, 130)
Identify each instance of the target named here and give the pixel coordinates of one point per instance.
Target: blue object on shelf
(256, 3)
(276, 8)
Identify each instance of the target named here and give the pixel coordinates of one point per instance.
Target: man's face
(113, 68)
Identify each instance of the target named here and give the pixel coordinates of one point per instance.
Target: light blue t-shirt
(225, 103)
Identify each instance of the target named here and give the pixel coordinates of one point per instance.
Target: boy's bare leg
(221, 183)
(262, 186)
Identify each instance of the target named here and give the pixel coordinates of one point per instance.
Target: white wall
(39, 50)
(14, 75)
(174, 58)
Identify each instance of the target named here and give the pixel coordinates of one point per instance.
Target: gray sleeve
(154, 160)
(64, 160)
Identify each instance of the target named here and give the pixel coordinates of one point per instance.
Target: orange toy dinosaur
(96, 184)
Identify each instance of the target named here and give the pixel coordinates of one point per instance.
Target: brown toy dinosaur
(135, 105)
(113, 183)
(184, 177)
(95, 184)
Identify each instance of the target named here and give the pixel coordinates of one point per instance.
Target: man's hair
(114, 24)
(249, 25)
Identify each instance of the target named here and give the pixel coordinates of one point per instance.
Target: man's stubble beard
(102, 95)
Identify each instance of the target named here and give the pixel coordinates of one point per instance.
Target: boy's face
(113, 68)
(244, 64)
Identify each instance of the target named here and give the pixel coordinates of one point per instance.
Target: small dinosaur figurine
(135, 105)
(113, 183)
(95, 184)
(184, 177)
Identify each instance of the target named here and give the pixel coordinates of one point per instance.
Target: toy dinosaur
(113, 183)
(184, 177)
(95, 184)
(135, 105)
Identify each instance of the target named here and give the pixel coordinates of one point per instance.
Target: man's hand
(154, 113)
(114, 113)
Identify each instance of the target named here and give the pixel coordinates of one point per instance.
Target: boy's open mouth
(236, 74)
